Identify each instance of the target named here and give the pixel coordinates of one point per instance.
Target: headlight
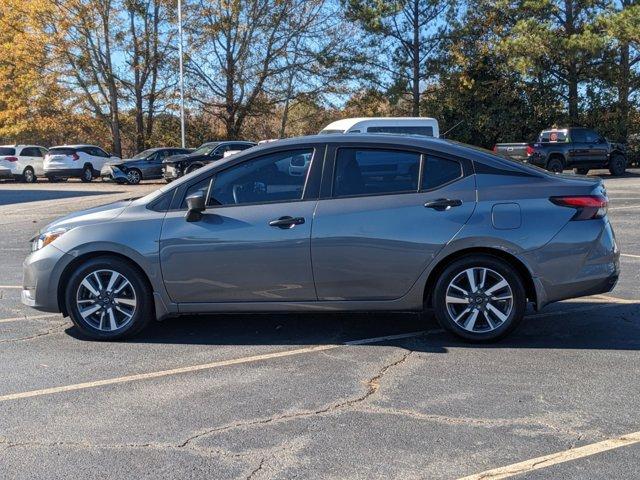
(46, 238)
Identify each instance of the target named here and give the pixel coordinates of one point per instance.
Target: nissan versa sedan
(374, 223)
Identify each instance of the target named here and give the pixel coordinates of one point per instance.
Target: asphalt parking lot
(316, 396)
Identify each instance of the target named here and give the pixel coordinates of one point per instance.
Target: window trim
(318, 150)
(328, 174)
(422, 164)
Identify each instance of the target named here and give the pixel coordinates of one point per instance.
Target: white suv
(79, 161)
(21, 162)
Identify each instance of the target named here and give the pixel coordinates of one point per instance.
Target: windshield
(205, 149)
(143, 154)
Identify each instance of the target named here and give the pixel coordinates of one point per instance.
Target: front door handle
(286, 222)
(442, 204)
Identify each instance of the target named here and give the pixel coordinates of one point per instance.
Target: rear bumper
(63, 172)
(582, 259)
(6, 173)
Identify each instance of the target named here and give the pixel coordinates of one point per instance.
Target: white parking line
(626, 207)
(27, 317)
(204, 366)
(5, 287)
(556, 458)
(629, 255)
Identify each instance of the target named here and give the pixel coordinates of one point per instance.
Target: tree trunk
(623, 93)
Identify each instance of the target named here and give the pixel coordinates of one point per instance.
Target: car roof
(16, 145)
(78, 145)
(347, 123)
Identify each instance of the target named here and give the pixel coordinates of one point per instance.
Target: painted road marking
(626, 207)
(10, 286)
(615, 299)
(556, 458)
(26, 317)
(204, 366)
(629, 255)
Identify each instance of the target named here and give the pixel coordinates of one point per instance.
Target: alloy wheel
(106, 300)
(479, 299)
(133, 176)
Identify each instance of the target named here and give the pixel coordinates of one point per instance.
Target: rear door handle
(286, 222)
(442, 204)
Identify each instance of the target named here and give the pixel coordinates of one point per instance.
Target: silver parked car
(377, 222)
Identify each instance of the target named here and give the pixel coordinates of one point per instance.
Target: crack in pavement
(481, 422)
(373, 385)
(257, 469)
(51, 331)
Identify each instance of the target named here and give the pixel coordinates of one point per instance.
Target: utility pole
(182, 129)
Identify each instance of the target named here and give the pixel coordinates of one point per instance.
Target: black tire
(134, 176)
(580, 171)
(192, 168)
(142, 313)
(87, 174)
(496, 266)
(555, 165)
(29, 176)
(617, 165)
(168, 180)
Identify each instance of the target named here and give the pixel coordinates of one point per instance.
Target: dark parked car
(146, 165)
(175, 167)
(333, 223)
(556, 150)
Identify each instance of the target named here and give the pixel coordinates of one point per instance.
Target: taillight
(529, 150)
(495, 148)
(74, 156)
(11, 159)
(588, 206)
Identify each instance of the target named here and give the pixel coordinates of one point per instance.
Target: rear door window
(363, 171)
(31, 152)
(439, 171)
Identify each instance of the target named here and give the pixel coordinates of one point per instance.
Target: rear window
(425, 131)
(7, 151)
(62, 151)
(553, 136)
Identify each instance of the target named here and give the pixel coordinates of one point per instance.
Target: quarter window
(439, 171)
(361, 171)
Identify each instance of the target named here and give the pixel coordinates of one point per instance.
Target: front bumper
(113, 175)
(170, 172)
(41, 274)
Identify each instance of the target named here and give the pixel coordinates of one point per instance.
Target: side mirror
(196, 204)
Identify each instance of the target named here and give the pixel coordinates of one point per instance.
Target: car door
(253, 242)
(579, 153)
(153, 165)
(383, 215)
(598, 148)
(32, 156)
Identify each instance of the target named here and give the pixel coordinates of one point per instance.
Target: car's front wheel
(618, 165)
(108, 299)
(134, 176)
(479, 298)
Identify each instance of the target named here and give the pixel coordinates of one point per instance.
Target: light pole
(182, 130)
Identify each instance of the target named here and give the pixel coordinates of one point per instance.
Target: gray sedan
(146, 165)
(361, 222)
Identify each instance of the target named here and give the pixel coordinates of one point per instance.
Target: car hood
(103, 213)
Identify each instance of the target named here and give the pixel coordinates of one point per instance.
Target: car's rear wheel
(108, 299)
(479, 298)
(580, 171)
(28, 175)
(87, 174)
(618, 165)
(555, 165)
(134, 176)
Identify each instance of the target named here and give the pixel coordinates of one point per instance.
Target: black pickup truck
(559, 149)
